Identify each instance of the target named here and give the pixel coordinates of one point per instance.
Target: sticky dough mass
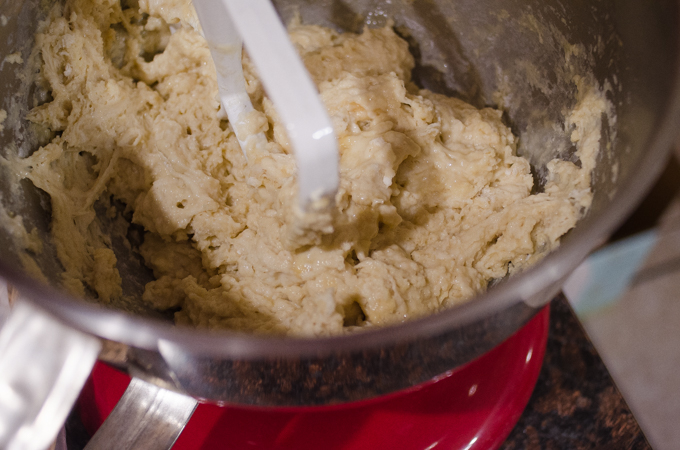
(433, 200)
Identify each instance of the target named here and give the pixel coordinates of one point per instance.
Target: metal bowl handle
(147, 416)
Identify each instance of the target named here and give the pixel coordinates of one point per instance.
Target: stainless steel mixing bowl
(521, 55)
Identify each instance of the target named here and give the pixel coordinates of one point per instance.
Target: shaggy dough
(433, 201)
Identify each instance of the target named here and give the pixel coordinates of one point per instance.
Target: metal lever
(146, 417)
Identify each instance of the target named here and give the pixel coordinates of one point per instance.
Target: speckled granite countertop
(575, 404)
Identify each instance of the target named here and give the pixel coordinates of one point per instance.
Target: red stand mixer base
(474, 407)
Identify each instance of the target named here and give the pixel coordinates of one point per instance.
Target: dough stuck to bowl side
(433, 200)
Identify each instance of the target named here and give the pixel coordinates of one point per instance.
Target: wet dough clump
(433, 200)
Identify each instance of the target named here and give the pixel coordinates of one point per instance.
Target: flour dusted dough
(433, 201)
